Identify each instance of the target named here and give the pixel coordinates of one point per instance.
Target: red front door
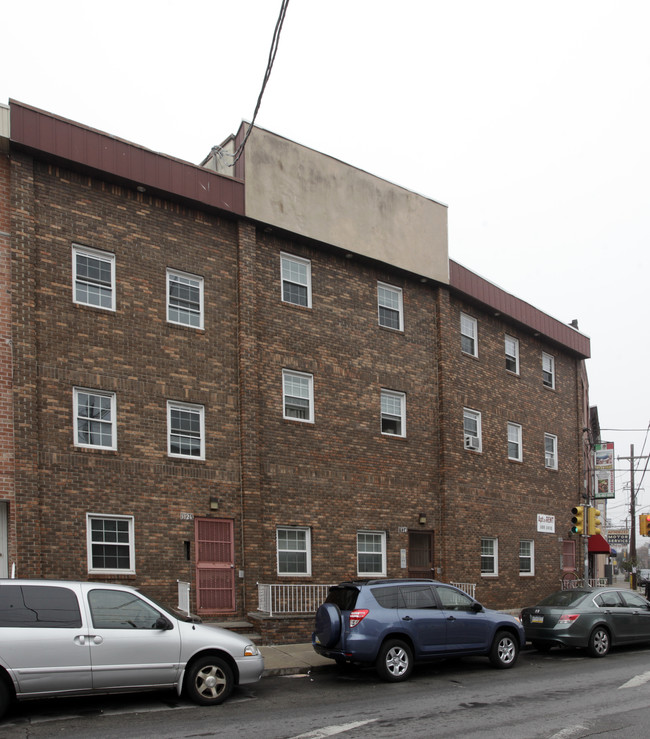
(215, 565)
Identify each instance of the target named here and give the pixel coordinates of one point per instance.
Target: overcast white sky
(530, 120)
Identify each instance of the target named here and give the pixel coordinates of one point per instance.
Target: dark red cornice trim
(498, 301)
(66, 141)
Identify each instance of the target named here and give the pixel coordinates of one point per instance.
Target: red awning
(598, 545)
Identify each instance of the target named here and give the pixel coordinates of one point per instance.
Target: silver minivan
(75, 638)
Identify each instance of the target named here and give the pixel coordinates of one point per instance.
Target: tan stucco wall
(306, 192)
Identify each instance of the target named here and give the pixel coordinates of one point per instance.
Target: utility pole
(631, 459)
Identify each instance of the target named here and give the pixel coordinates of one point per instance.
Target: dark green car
(593, 618)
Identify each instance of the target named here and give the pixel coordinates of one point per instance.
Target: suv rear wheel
(395, 661)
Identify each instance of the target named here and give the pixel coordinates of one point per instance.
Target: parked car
(73, 638)
(395, 623)
(593, 618)
(643, 578)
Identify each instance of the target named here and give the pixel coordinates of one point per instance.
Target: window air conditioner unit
(471, 442)
(549, 460)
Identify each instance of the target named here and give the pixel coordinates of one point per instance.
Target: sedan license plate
(537, 619)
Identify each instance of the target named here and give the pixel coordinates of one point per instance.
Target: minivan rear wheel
(394, 661)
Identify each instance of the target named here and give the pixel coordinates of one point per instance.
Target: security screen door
(215, 565)
(420, 554)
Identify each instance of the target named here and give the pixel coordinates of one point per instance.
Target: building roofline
(62, 140)
(67, 141)
(500, 302)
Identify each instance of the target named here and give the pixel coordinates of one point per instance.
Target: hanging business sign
(604, 470)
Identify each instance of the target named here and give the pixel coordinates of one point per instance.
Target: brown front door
(420, 554)
(215, 565)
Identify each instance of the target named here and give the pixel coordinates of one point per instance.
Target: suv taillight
(357, 616)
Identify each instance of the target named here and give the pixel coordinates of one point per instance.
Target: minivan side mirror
(477, 607)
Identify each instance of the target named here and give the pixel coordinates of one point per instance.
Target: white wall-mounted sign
(545, 523)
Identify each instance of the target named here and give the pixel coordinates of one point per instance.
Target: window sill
(470, 356)
(399, 331)
(286, 304)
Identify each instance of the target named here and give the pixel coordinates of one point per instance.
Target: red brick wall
(133, 352)
(338, 475)
(6, 400)
(486, 494)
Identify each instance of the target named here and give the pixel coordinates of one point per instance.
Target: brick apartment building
(267, 375)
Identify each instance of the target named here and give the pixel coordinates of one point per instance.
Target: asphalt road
(563, 695)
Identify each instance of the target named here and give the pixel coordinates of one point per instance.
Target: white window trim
(292, 373)
(466, 437)
(307, 531)
(517, 427)
(187, 276)
(94, 254)
(299, 260)
(552, 370)
(514, 356)
(532, 558)
(400, 308)
(75, 416)
(474, 335)
(106, 571)
(171, 404)
(553, 466)
(382, 534)
(495, 556)
(402, 399)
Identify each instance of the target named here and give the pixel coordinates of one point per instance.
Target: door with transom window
(215, 565)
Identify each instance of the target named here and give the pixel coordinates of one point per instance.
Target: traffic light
(578, 520)
(644, 524)
(593, 521)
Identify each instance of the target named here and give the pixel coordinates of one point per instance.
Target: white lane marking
(635, 682)
(333, 730)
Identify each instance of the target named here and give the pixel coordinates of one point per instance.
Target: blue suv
(395, 623)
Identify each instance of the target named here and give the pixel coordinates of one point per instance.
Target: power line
(267, 74)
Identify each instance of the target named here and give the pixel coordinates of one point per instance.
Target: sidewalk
(291, 659)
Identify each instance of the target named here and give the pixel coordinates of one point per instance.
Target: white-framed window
(393, 413)
(514, 442)
(512, 354)
(93, 277)
(111, 544)
(184, 299)
(550, 451)
(526, 557)
(468, 334)
(390, 306)
(298, 396)
(371, 553)
(489, 557)
(293, 550)
(548, 370)
(296, 280)
(185, 430)
(472, 430)
(94, 419)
